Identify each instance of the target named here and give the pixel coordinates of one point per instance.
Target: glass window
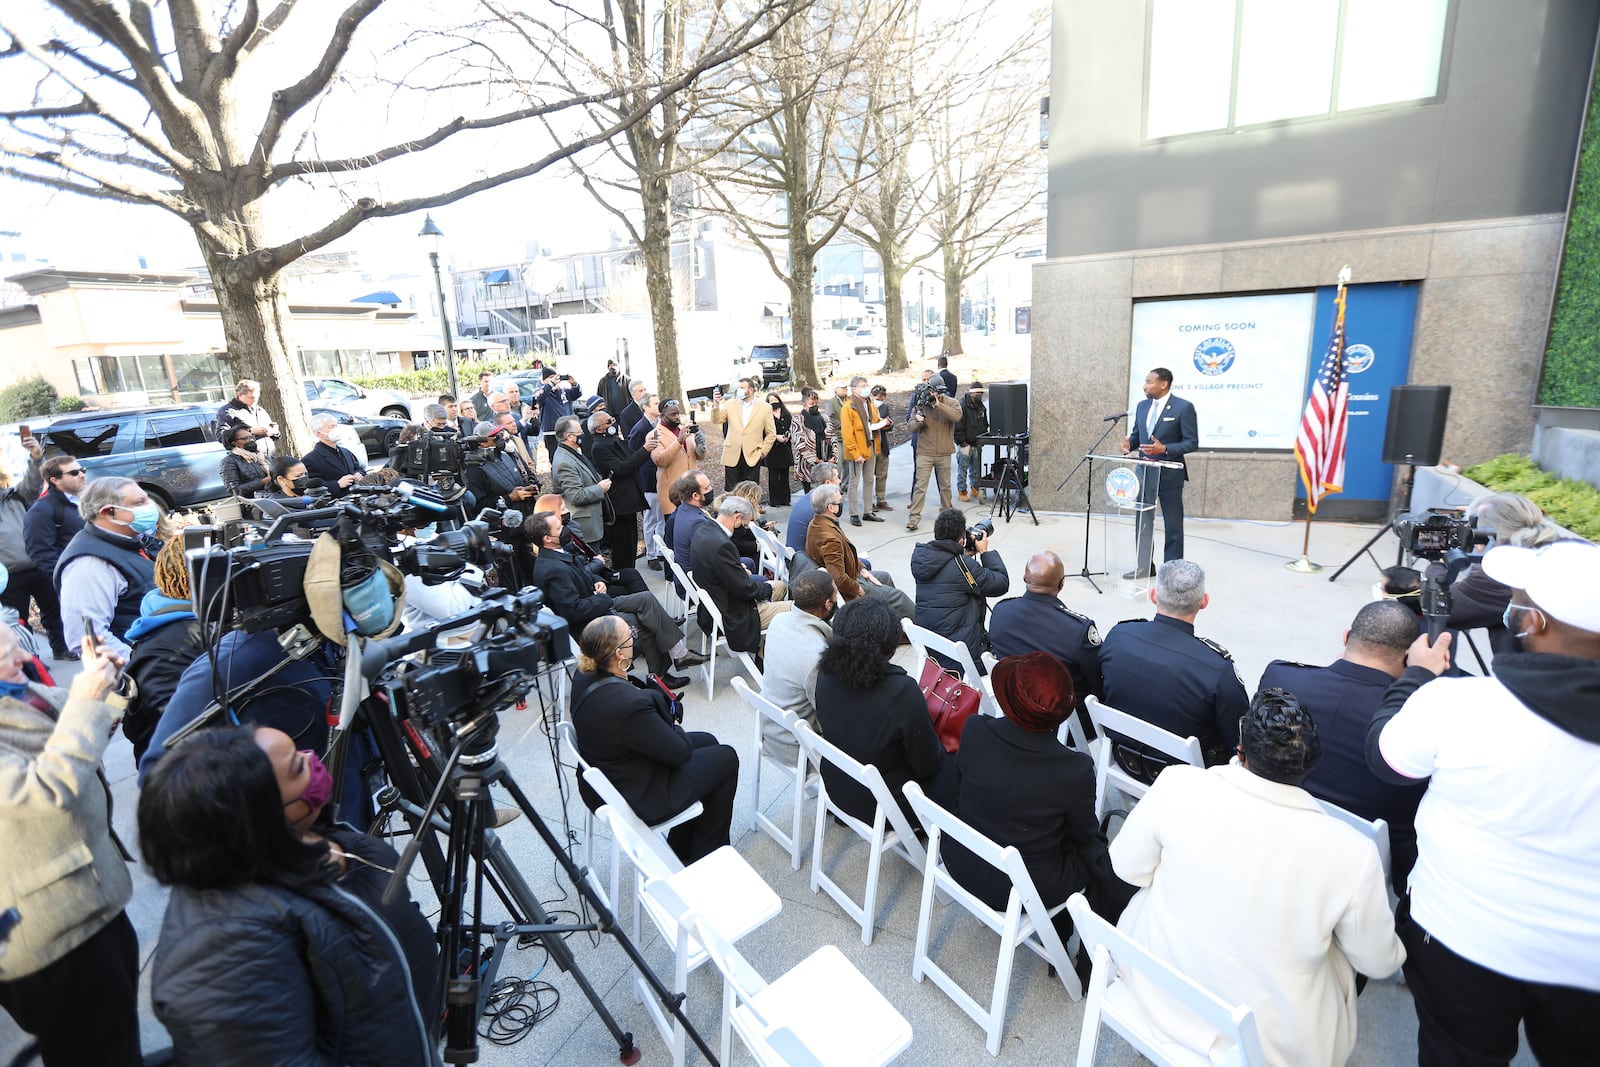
(171, 431)
(87, 437)
(117, 374)
(1285, 59)
(1190, 73)
(317, 362)
(153, 376)
(334, 389)
(200, 379)
(1392, 50)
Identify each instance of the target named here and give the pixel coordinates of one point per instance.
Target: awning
(382, 296)
(499, 277)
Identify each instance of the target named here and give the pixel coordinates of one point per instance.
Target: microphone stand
(1088, 498)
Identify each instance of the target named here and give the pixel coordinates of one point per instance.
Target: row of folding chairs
(695, 601)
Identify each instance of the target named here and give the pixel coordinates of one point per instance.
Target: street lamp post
(435, 238)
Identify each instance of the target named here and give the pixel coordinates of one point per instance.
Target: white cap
(1563, 579)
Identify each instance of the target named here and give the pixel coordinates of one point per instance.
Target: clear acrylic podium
(1130, 486)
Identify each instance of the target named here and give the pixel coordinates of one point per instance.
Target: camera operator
(956, 573)
(934, 419)
(499, 477)
(517, 448)
(436, 419)
(1477, 599)
(1502, 927)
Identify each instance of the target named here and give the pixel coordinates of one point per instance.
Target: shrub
(27, 398)
(1571, 375)
(67, 404)
(436, 380)
(1569, 502)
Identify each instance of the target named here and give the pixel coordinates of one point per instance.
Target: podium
(1131, 487)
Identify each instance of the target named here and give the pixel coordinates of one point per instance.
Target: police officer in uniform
(1159, 671)
(1037, 621)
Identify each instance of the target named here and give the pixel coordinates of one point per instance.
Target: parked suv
(172, 452)
(777, 366)
(347, 396)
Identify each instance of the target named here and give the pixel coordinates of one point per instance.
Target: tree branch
(286, 102)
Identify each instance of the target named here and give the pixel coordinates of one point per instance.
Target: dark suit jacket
(330, 463)
(627, 731)
(1342, 698)
(886, 726)
(1159, 671)
(718, 572)
(1178, 429)
(568, 587)
(1027, 789)
(1034, 622)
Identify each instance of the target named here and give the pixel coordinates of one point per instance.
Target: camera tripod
(1388, 527)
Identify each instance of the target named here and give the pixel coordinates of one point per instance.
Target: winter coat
(936, 433)
(616, 459)
(574, 477)
(674, 454)
(166, 638)
(242, 475)
(974, 422)
(946, 604)
(51, 524)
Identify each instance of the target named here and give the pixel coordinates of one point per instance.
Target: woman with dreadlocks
(1254, 891)
(166, 638)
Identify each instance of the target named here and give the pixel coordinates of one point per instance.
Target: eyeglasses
(74, 470)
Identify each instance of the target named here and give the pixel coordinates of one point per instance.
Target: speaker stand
(1366, 550)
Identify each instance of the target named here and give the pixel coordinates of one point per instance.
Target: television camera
(1445, 539)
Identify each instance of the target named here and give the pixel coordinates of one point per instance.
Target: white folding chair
(1115, 955)
(674, 602)
(567, 741)
(822, 1012)
(718, 638)
(1025, 922)
(889, 832)
(722, 887)
(1375, 830)
(774, 555)
(922, 640)
(1109, 721)
(768, 712)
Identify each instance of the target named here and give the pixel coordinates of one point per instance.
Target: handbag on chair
(951, 702)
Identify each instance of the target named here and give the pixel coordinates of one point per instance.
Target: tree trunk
(802, 325)
(953, 283)
(894, 276)
(255, 326)
(656, 194)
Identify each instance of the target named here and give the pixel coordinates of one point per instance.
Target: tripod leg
(1388, 527)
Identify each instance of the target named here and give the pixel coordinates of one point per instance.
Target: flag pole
(1303, 565)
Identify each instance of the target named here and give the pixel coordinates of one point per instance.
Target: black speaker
(1415, 433)
(1008, 408)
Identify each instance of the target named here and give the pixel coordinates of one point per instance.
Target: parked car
(867, 339)
(377, 432)
(171, 451)
(777, 364)
(528, 383)
(347, 396)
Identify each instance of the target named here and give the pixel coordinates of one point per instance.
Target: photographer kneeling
(956, 573)
(628, 730)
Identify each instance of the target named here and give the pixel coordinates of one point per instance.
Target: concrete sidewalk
(1258, 609)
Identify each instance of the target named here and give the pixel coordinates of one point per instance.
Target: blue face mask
(14, 690)
(145, 517)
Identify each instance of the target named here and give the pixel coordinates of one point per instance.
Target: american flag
(1319, 447)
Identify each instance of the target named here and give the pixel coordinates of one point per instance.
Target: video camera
(438, 459)
(926, 395)
(1434, 534)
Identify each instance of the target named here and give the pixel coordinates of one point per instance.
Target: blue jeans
(968, 468)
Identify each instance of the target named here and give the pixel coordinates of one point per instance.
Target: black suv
(776, 366)
(172, 452)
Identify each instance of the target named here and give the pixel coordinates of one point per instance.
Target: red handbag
(951, 702)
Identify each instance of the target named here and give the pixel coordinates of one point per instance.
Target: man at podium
(1163, 427)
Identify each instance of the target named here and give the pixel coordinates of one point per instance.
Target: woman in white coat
(1256, 893)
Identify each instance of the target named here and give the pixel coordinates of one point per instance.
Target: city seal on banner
(1214, 356)
(1358, 358)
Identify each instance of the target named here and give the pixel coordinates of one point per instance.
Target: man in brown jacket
(828, 546)
(675, 449)
(935, 424)
(748, 433)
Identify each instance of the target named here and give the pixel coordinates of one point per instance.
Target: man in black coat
(574, 593)
(1164, 427)
(1342, 698)
(629, 415)
(1037, 621)
(1158, 670)
(619, 461)
(335, 466)
(747, 603)
(52, 522)
(613, 387)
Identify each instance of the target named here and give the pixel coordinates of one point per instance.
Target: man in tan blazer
(748, 433)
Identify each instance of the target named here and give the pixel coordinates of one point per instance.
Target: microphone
(419, 497)
(1114, 418)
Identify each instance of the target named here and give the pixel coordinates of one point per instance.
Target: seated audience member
(628, 730)
(580, 485)
(574, 593)
(361, 864)
(1502, 928)
(166, 638)
(436, 419)
(1342, 698)
(1037, 621)
(264, 957)
(795, 641)
(109, 565)
(748, 604)
(618, 579)
(1022, 787)
(874, 711)
(689, 496)
(1477, 599)
(1159, 671)
(955, 580)
(1252, 890)
(802, 513)
(515, 445)
(244, 468)
(338, 468)
(743, 539)
(69, 972)
(830, 548)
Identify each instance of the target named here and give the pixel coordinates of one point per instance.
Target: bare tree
(210, 109)
(988, 172)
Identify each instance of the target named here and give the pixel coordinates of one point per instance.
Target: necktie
(1150, 423)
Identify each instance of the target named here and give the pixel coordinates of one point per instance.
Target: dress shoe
(911, 526)
(65, 654)
(884, 505)
(689, 659)
(855, 520)
(870, 517)
(675, 682)
(1134, 575)
(655, 564)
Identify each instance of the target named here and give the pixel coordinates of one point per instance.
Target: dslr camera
(1434, 534)
(979, 531)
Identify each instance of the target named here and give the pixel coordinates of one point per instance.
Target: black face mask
(300, 485)
(248, 445)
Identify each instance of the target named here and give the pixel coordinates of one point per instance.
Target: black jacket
(626, 729)
(568, 588)
(1036, 622)
(946, 603)
(614, 459)
(1159, 671)
(330, 463)
(162, 651)
(51, 523)
(244, 477)
(718, 572)
(493, 481)
(268, 974)
(974, 421)
(886, 726)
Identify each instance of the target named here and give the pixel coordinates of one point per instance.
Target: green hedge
(436, 380)
(27, 398)
(1572, 360)
(1569, 502)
